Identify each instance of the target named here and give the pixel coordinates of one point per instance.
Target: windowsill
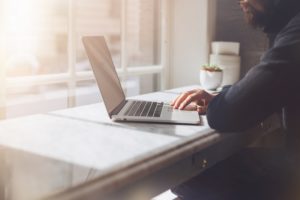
(56, 99)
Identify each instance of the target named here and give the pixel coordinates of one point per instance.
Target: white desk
(80, 153)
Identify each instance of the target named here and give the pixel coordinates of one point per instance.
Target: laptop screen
(105, 72)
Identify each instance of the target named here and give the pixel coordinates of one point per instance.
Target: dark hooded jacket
(270, 86)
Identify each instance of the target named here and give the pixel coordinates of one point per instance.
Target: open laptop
(120, 109)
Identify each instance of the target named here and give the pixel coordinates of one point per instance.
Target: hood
(284, 11)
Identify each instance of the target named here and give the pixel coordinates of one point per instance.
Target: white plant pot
(210, 80)
(231, 66)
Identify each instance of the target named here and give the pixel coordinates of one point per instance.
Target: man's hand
(193, 100)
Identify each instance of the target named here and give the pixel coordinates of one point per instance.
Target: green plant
(212, 68)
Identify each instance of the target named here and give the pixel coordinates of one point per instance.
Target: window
(43, 65)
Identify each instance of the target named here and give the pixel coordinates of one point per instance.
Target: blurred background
(155, 44)
(43, 63)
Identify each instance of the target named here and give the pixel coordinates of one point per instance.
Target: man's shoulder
(290, 32)
(295, 20)
(286, 44)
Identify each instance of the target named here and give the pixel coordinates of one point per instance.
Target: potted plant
(211, 77)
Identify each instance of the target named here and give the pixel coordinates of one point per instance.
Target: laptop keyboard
(144, 109)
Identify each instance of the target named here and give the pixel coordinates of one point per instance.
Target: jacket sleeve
(266, 88)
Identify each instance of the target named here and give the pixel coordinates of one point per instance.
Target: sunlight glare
(20, 22)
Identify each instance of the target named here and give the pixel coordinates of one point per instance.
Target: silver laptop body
(120, 109)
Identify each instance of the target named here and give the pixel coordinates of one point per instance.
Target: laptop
(118, 107)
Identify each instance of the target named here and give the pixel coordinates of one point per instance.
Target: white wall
(191, 33)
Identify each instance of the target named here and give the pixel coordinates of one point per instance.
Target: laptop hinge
(118, 108)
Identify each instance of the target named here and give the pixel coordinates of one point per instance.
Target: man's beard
(259, 19)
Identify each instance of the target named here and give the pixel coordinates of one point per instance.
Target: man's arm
(268, 87)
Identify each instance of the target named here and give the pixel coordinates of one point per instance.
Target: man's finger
(180, 99)
(191, 107)
(202, 110)
(198, 96)
(189, 99)
(174, 101)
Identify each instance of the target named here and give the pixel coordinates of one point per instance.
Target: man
(267, 88)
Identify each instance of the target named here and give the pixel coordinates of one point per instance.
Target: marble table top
(62, 149)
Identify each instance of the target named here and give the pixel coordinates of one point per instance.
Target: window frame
(71, 78)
